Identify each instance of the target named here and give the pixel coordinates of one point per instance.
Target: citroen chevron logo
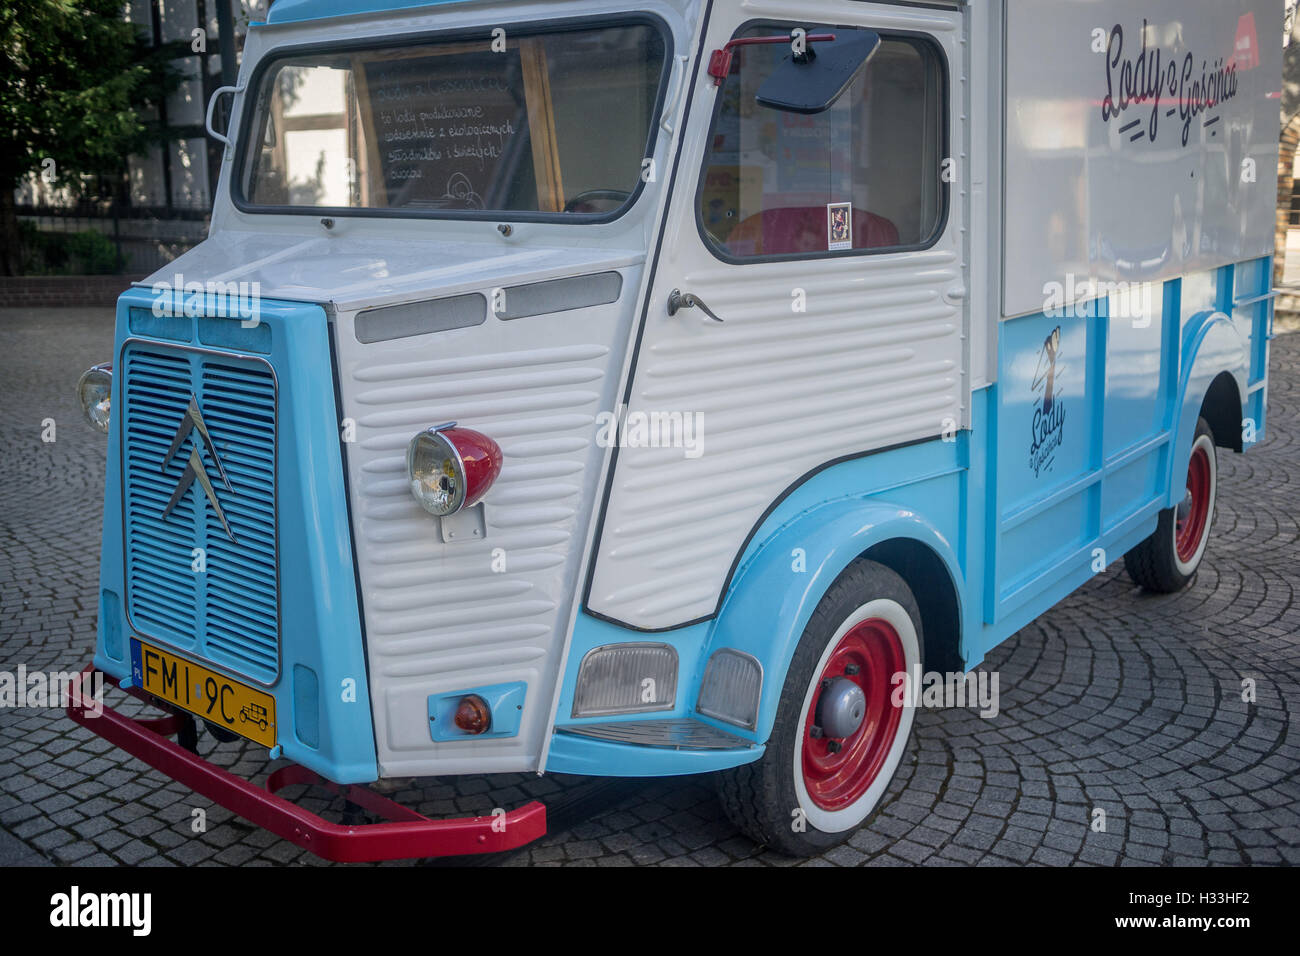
(193, 422)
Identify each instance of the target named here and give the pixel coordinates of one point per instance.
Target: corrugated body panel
(228, 612)
(446, 616)
(549, 408)
(874, 361)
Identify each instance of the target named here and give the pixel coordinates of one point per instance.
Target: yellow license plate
(215, 697)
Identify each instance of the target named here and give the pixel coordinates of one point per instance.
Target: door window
(865, 175)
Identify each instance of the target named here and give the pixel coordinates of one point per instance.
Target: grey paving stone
(1112, 699)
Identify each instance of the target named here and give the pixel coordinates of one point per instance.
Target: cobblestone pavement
(1114, 700)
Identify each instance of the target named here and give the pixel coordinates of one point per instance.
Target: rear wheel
(1166, 561)
(841, 729)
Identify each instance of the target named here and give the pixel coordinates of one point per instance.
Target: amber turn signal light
(473, 715)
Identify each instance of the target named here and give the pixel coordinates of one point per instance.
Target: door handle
(678, 300)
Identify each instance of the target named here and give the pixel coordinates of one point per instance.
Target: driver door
(807, 303)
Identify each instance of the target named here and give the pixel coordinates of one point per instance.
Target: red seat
(796, 229)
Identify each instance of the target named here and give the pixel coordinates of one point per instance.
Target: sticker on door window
(839, 226)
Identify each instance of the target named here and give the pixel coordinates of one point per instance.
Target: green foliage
(76, 83)
(93, 253)
(89, 253)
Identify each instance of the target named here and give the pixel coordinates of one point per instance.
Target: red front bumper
(407, 835)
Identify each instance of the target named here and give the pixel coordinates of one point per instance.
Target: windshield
(551, 124)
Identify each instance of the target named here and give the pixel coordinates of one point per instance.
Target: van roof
(295, 11)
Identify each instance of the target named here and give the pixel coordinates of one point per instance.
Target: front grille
(229, 612)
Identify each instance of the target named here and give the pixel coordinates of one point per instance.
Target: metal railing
(97, 237)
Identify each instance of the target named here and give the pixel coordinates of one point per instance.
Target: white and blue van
(663, 388)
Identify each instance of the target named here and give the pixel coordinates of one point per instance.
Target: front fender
(1211, 345)
(778, 587)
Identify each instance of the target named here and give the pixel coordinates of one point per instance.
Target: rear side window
(863, 176)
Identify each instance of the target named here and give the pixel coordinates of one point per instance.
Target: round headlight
(451, 468)
(95, 392)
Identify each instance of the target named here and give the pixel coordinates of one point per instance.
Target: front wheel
(842, 723)
(1166, 561)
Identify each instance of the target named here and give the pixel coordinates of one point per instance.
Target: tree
(76, 81)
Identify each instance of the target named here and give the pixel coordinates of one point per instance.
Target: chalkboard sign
(451, 130)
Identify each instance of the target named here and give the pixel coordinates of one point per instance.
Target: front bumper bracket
(405, 835)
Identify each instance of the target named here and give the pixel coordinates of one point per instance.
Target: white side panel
(875, 360)
(1137, 154)
(446, 616)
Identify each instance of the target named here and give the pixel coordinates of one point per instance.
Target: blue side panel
(1080, 463)
(290, 11)
(1048, 403)
(1253, 316)
(1141, 351)
(1078, 477)
(320, 688)
(1212, 342)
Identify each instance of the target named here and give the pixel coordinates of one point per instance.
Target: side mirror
(813, 81)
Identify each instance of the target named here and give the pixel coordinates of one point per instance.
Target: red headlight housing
(451, 468)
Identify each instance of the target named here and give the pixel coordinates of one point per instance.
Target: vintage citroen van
(658, 388)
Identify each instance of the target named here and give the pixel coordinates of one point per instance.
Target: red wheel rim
(870, 654)
(1191, 526)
